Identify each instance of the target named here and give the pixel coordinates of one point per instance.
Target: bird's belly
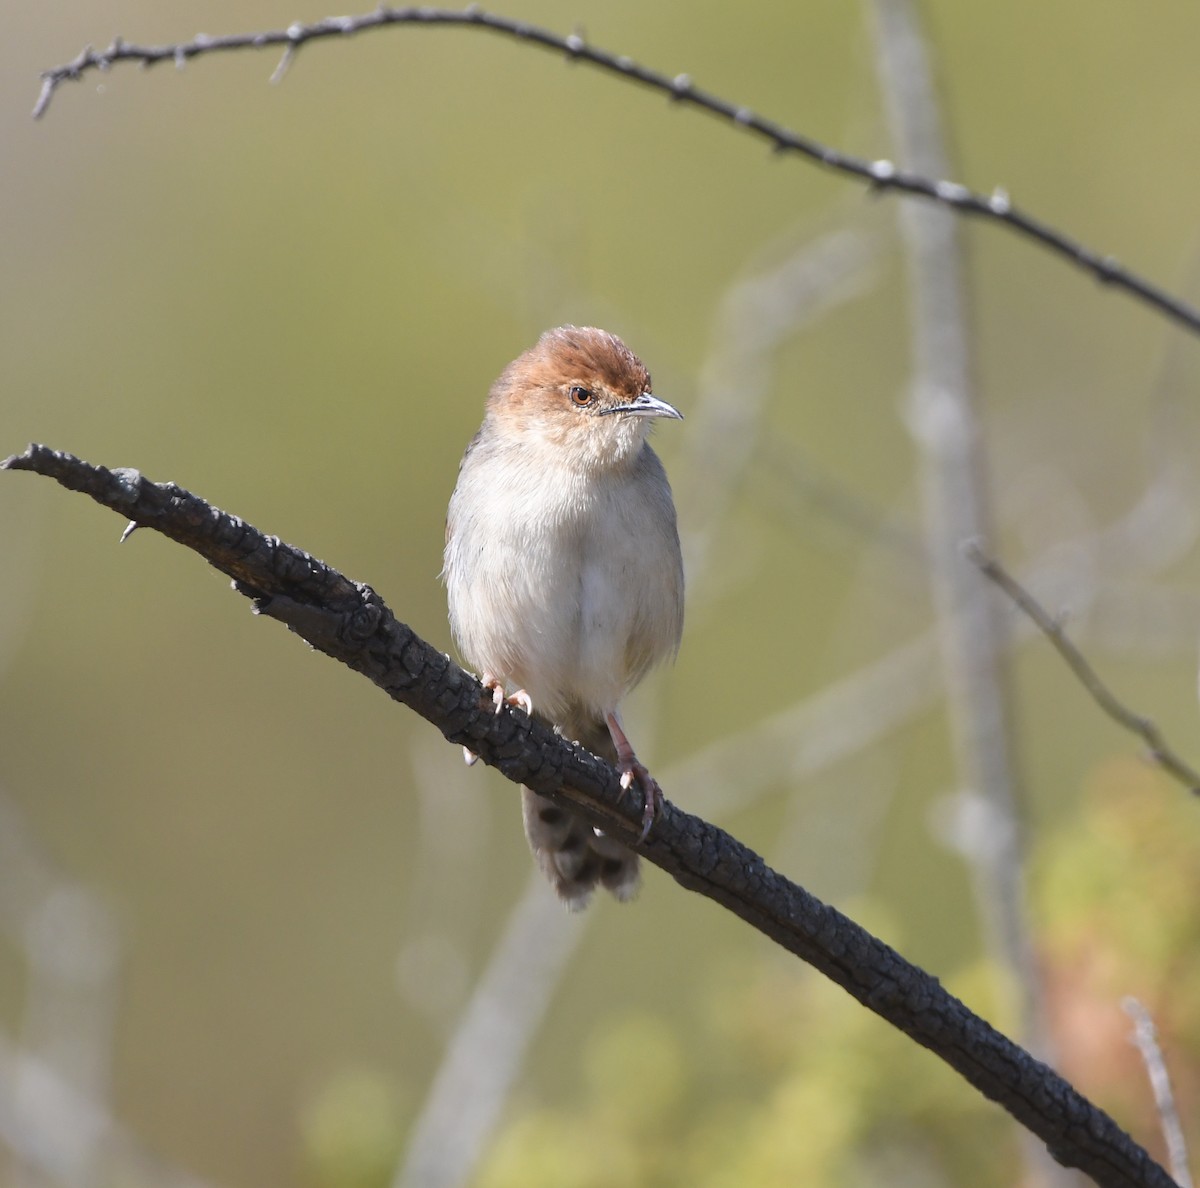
(567, 641)
(561, 591)
(562, 627)
(607, 599)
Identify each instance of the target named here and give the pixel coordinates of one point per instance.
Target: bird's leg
(520, 698)
(632, 770)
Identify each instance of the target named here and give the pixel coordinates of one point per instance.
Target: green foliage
(773, 1076)
(1117, 897)
(781, 1079)
(350, 1131)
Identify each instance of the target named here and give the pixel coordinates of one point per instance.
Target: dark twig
(350, 622)
(878, 174)
(1143, 727)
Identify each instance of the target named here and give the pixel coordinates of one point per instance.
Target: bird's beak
(647, 406)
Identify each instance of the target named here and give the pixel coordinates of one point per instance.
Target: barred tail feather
(574, 856)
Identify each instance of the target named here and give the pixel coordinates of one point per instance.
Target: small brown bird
(563, 571)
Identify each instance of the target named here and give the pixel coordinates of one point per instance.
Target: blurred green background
(291, 299)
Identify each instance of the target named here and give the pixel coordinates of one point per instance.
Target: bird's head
(580, 392)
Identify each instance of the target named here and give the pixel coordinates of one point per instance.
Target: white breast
(567, 585)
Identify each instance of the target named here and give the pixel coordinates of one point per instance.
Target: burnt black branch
(350, 622)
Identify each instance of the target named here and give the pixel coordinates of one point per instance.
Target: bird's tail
(573, 855)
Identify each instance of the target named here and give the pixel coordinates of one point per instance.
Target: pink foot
(496, 685)
(633, 771)
(520, 698)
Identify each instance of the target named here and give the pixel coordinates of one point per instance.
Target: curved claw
(520, 698)
(493, 683)
(652, 797)
(633, 771)
(495, 686)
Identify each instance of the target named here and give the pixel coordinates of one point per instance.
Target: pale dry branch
(488, 1048)
(953, 467)
(758, 314)
(1145, 1037)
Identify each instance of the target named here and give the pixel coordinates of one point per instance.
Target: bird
(563, 572)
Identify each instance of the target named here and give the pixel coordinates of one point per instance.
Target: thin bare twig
(349, 622)
(1136, 723)
(880, 175)
(1146, 1039)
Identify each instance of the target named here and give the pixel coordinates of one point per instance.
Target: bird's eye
(581, 397)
